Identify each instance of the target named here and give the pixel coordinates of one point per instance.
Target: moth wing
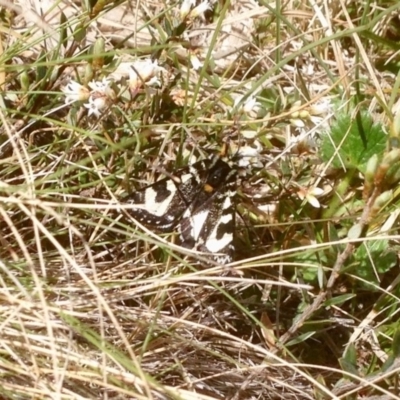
(208, 224)
(160, 205)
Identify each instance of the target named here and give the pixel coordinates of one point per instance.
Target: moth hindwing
(198, 200)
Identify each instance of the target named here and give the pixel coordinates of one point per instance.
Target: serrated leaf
(373, 257)
(378, 253)
(344, 147)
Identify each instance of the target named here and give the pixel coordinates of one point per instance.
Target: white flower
(102, 89)
(251, 106)
(310, 194)
(142, 71)
(196, 63)
(74, 91)
(186, 7)
(96, 105)
(200, 10)
(100, 86)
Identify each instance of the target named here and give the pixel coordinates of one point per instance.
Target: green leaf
(388, 363)
(41, 70)
(301, 338)
(351, 357)
(348, 367)
(63, 30)
(373, 257)
(339, 300)
(80, 32)
(344, 146)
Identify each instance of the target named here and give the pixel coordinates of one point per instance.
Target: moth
(198, 201)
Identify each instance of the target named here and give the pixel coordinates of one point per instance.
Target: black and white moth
(198, 200)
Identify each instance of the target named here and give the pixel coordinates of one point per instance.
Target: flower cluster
(99, 95)
(96, 98)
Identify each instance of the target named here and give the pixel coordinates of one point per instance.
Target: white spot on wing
(197, 221)
(215, 245)
(186, 177)
(193, 171)
(157, 208)
(224, 219)
(227, 203)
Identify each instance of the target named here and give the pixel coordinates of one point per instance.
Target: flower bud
(372, 166)
(388, 161)
(24, 81)
(393, 175)
(382, 200)
(395, 127)
(391, 157)
(304, 114)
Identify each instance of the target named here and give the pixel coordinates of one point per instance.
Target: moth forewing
(159, 206)
(220, 239)
(156, 206)
(221, 236)
(208, 224)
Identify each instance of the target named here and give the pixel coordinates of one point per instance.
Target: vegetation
(99, 100)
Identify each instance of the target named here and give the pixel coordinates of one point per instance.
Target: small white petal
(100, 86)
(316, 191)
(322, 107)
(200, 9)
(313, 201)
(196, 63)
(74, 91)
(316, 120)
(237, 100)
(95, 105)
(251, 105)
(310, 195)
(186, 7)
